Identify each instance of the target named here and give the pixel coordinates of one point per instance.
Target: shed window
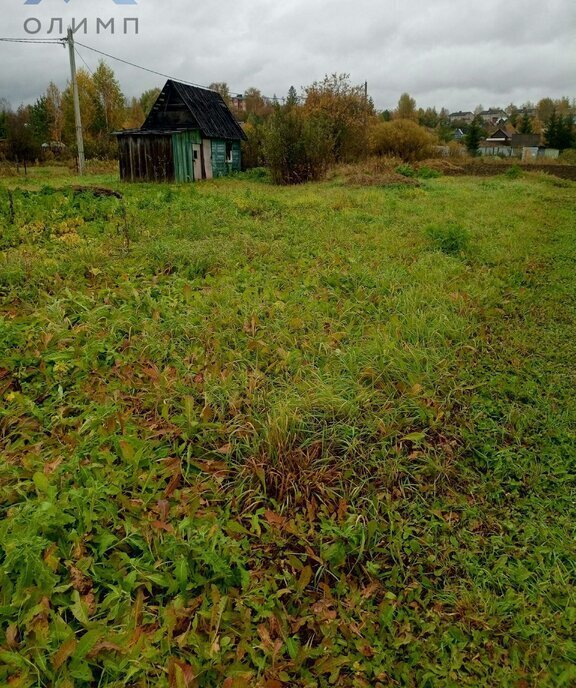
(228, 151)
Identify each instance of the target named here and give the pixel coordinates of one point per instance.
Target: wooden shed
(190, 134)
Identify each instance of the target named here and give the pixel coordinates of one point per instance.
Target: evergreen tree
(473, 136)
(553, 130)
(525, 124)
(40, 120)
(292, 98)
(559, 131)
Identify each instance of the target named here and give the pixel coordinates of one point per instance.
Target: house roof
(493, 111)
(206, 109)
(499, 135)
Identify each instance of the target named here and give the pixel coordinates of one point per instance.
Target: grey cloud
(440, 51)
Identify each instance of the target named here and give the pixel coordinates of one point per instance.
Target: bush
(406, 170)
(428, 173)
(514, 172)
(402, 138)
(298, 148)
(568, 157)
(253, 147)
(451, 239)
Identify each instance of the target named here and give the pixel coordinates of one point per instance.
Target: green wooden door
(183, 155)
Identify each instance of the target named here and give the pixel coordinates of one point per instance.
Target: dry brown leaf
(65, 651)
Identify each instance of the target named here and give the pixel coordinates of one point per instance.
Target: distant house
(493, 116)
(460, 116)
(190, 134)
(497, 143)
(459, 135)
(500, 136)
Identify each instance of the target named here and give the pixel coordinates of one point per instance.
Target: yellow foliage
(402, 138)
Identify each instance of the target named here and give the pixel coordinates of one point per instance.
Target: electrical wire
(62, 41)
(137, 66)
(51, 41)
(153, 71)
(83, 60)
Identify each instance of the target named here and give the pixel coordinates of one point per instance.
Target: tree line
(297, 136)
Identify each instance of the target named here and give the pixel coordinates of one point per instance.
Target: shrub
(403, 138)
(514, 172)
(406, 170)
(253, 147)
(428, 173)
(451, 239)
(568, 157)
(298, 148)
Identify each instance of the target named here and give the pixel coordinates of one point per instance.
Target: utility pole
(366, 119)
(77, 117)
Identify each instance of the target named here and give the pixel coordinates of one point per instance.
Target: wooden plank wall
(146, 158)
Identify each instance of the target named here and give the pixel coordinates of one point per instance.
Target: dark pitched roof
(499, 135)
(181, 106)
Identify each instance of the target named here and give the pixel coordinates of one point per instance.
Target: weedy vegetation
(310, 436)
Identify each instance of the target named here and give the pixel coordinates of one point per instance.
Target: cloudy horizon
(444, 54)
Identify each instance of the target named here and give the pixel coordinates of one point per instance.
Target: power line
(137, 66)
(52, 41)
(153, 71)
(83, 60)
(62, 41)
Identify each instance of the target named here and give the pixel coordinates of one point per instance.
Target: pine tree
(473, 136)
(553, 130)
(292, 98)
(525, 125)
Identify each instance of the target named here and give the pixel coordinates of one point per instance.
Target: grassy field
(302, 437)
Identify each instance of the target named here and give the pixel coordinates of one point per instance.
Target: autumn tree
(23, 146)
(111, 104)
(428, 117)
(344, 111)
(134, 116)
(223, 89)
(55, 113)
(444, 127)
(406, 108)
(253, 146)
(88, 97)
(525, 124)
(544, 109)
(513, 114)
(297, 145)
(256, 105)
(147, 100)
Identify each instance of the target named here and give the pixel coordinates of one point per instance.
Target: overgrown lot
(315, 436)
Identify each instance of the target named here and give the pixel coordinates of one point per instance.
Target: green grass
(314, 436)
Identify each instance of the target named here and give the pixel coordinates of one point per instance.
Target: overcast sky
(453, 53)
